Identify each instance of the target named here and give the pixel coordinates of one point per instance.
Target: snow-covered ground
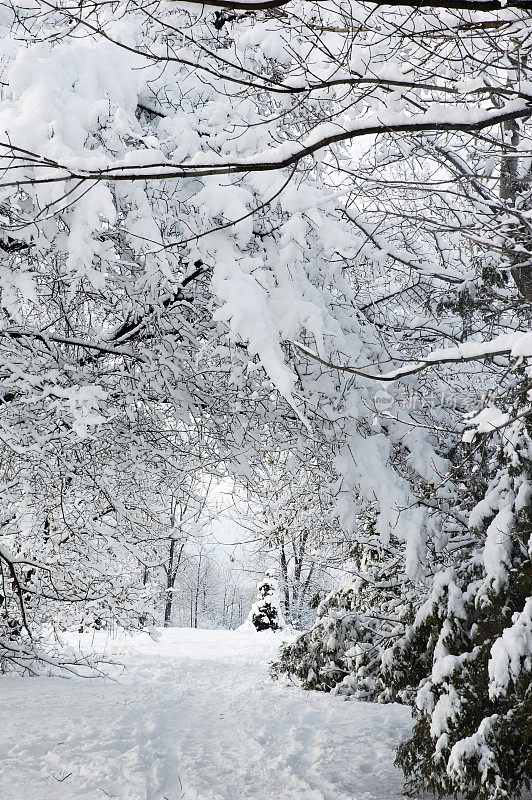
(195, 716)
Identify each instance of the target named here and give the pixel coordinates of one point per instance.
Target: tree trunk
(508, 191)
(284, 580)
(171, 574)
(298, 568)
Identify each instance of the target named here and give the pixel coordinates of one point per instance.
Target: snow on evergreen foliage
(355, 624)
(462, 658)
(468, 654)
(266, 613)
(338, 653)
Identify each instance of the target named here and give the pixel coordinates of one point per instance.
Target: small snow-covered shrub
(266, 613)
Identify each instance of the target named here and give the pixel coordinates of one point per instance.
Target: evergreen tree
(342, 651)
(265, 613)
(338, 654)
(467, 659)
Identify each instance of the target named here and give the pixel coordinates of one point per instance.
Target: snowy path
(195, 717)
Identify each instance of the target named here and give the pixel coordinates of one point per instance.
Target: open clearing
(194, 716)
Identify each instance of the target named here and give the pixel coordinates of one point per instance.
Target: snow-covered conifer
(467, 658)
(355, 625)
(266, 613)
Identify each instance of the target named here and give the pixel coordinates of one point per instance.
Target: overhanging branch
(165, 171)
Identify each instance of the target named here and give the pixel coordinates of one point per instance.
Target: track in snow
(194, 717)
